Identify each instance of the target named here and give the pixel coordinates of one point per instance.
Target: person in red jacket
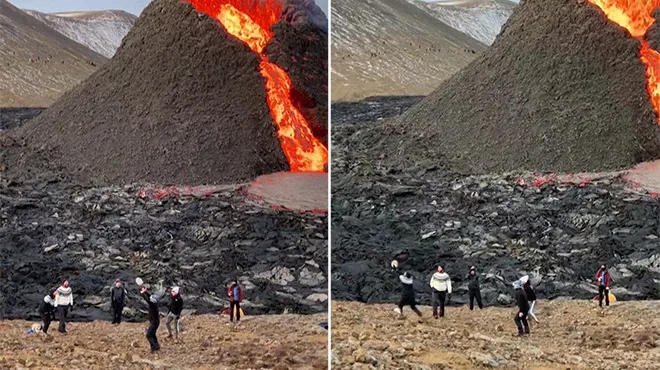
(235, 294)
(603, 279)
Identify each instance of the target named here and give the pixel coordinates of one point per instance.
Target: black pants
(151, 335)
(46, 318)
(602, 292)
(117, 309)
(63, 312)
(406, 301)
(231, 311)
(522, 324)
(472, 294)
(439, 299)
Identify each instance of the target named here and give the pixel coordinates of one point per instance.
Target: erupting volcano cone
(563, 88)
(189, 98)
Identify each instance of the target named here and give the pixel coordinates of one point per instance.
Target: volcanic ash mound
(182, 101)
(561, 89)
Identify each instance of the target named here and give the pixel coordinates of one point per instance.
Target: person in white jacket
(441, 285)
(63, 302)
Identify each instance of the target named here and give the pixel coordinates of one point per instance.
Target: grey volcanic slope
(181, 102)
(25, 84)
(101, 31)
(481, 19)
(391, 47)
(561, 89)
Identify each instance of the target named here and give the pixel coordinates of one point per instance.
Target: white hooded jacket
(64, 297)
(441, 282)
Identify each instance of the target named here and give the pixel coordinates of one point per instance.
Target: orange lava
(250, 22)
(635, 16)
(651, 59)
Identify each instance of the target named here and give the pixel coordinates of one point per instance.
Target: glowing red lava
(635, 16)
(250, 21)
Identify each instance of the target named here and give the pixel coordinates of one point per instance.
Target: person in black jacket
(47, 311)
(174, 312)
(154, 318)
(407, 294)
(399, 259)
(531, 298)
(474, 291)
(117, 296)
(523, 309)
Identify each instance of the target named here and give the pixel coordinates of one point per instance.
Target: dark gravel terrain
(14, 117)
(371, 109)
(653, 34)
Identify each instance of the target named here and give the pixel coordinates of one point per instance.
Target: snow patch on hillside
(481, 19)
(99, 31)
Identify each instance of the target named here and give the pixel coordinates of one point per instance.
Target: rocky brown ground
(271, 342)
(572, 335)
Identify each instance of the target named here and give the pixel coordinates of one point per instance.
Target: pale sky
(131, 6)
(439, 1)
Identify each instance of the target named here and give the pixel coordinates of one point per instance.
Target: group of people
(525, 294)
(58, 303)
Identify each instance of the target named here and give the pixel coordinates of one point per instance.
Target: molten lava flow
(635, 16)
(651, 59)
(250, 22)
(304, 151)
(243, 28)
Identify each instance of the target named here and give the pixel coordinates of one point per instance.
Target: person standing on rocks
(407, 295)
(174, 312)
(117, 296)
(474, 291)
(441, 285)
(63, 302)
(523, 309)
(531, 298)
(235, 295)
(603, 278)
(154, 318)
(47, 311)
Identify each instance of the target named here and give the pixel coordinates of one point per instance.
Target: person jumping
(407, 295)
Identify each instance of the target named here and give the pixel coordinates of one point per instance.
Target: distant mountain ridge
(101, 31)
(393, 47)
(37, 63)
(481, 19)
